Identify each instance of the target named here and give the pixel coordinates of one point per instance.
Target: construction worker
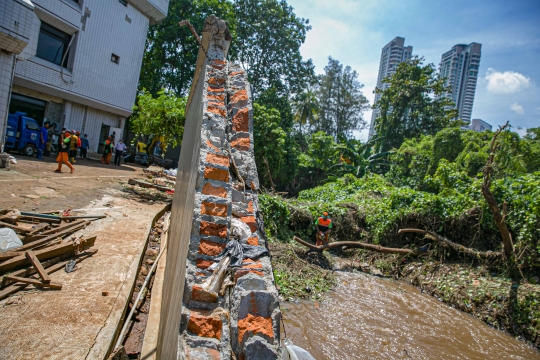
(324, 227)
(73, 146)
(63, 151)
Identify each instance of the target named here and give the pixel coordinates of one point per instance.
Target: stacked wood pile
(48, 245)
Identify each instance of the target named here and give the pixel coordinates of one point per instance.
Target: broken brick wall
(245, 320)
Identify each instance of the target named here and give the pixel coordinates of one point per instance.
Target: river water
(367, 317)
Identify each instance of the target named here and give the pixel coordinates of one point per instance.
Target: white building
(392, 54)
(479, 125)
(460, 68)
(74, 62)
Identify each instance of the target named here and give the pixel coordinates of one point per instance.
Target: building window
(115, 58)
(52, 44)
(123, 2)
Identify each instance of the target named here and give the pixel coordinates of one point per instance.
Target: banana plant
(357, 159)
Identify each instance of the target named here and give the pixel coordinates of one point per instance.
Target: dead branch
(353, 244)
(269, 175)
(457, 247)
(508, 246)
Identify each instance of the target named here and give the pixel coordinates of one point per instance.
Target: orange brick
(213, 209)
(250, 221)
(211, 146)
(217, 159)
(250, 207)
(198, 294)
(208, 189)
(241, 120)
(255, 325)
(216, 110)
(217, 98)
(215, 89)
(240, 95)
(236, 73)
(201, 353)
(204, 264)
(253, 241)
(211, 229)
(210, 248)
(217, 64)
(216, 174)
(216, 81)
(241, 143)
(203, 324)
(240, 273)
(252, 266)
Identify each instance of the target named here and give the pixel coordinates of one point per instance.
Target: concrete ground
(77, 322)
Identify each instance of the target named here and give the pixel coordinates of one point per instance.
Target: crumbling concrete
(244, 322)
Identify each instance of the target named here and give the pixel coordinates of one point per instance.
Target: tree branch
(353, 244)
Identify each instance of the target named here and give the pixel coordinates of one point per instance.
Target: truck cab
(23, 134)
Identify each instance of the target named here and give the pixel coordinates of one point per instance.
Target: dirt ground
(77, 322)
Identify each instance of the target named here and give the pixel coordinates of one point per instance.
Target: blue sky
(354, 32)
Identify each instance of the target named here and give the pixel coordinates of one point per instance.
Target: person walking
(73, 146)
(49, 144)
(324, 227)
(84, 146)
(120, 148)
(63, 152)
(43, 139)
(107, 151)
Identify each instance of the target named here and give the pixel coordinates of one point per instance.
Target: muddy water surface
(372, 318)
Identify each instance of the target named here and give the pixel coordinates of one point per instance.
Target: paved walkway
(77, 322)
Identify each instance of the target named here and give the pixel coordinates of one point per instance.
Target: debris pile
(33, 246)
(157, 186)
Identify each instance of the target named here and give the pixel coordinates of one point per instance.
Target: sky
(355, 31)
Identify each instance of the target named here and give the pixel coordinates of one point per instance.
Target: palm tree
(306, 108)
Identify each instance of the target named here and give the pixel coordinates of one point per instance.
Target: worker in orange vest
(324, 226)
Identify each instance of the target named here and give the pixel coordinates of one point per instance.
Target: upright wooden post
(184, 194)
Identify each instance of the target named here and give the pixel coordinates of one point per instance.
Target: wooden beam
(37, 265)
(15, 227)
(58, 266)
(148, 185)
(52, 285)
(353, 244)
(62, 233)
(9, 254)
(47, 253)
(62, 227)
(39, 227)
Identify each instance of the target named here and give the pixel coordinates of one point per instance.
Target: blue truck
(23, 134)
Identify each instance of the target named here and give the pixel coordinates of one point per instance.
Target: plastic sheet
(293, 352)
(238, 252)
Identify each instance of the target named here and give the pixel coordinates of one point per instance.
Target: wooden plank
(37, 265)
(10, 254)
(61, 227)
(148, 185)
(47, 253)
(39, 227)
(150, 340)
(65, 232)
(14, 227)
(17, 287)
(52, 285)
(40, 219)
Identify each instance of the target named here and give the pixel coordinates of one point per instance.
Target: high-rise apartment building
(392, 54)
(460, 66)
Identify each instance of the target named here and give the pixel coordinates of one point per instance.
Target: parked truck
(23, 134)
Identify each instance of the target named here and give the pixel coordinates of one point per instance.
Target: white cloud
(506, 82)
(518, 109)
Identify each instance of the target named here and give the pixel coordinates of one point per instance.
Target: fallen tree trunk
(459, 248)
(356, 245)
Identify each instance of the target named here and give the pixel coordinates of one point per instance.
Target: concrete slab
(77, 322)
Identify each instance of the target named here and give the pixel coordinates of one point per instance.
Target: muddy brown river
(367, 317)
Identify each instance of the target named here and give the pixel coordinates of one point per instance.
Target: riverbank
(474, 289)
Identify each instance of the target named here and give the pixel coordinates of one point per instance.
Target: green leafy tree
(306, 108)
(162, 116)
(341, 102)
(412, 105)
(316, 161)
(357, 159)
(171, 51)
(270, 144)
(267, 44)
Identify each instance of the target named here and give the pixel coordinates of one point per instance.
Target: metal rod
(191, 28)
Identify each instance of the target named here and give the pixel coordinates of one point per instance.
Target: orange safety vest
(324, 222)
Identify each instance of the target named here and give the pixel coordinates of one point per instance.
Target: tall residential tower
(459, 66)
(392, 54)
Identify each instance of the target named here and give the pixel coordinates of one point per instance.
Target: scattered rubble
(34, 245)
